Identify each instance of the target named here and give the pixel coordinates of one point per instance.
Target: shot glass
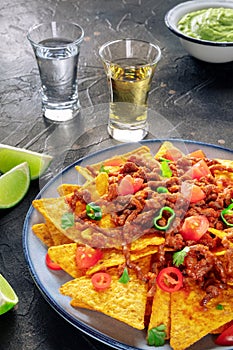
(129, 65)
(56, 46)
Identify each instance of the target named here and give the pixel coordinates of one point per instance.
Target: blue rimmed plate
(103, 328)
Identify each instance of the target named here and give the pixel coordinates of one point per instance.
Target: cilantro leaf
(178, 257)
(124, 277)
(67, 220)
(157, 335)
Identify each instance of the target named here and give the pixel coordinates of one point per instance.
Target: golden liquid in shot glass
(129, 87)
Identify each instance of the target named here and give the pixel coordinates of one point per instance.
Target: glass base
(128, 135)
(57, 114)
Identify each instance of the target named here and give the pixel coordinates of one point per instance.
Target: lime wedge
(8, 298)
(12, 156)
(14, 185)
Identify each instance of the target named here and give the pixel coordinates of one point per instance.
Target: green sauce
(212, 24)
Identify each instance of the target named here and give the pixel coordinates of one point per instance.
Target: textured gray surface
(189, 99)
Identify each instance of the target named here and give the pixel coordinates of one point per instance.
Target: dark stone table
(189, 100)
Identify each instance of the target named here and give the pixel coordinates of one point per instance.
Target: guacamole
(212, 24)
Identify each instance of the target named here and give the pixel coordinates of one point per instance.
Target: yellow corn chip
(160, 313)
(65, 189)
(106, 222)
(186, 313)
(85, 172)
(124, 302)
(78, 303)
(42, 232)
(95, 168)
(144, 241)
(222, 328)
(220, 234)
(102, 183)
(114, 257)
(164, 147)
(53, 210)
(64, 256)
(57, 236)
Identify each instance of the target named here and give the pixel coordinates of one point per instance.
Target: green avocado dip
(212, 24)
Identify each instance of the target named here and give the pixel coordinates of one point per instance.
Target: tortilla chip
(186, 313)
(106, 222)
(220, 234)
(91, 171)
(65, 189)
(57, 236)
(42, 232)
(64, 256)
(54, 208)
(85, 172)
(160, 313)
(78, 303)
(116, 257)
(163, 149)
(124, 302)
(145, 240)
(222, 328)
(102, 183)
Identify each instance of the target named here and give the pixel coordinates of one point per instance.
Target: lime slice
(12, 156)
(8, 298)
(14, 185)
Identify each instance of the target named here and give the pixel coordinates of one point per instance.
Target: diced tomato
(193, 192)
(50, 264)
(197, 154)
(226, 337)
(194, 227)
(173, 154)
(137, 184)
(200, 169)
(196, 194)
(113, 162)
(129, 185)
(101, 281)
(87, 257)
(170, 279)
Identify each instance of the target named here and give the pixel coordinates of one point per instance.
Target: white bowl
(208, 51)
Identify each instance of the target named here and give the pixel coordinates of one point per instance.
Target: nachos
(148, 240)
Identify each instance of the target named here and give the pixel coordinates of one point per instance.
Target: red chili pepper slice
(50, 264)
(226, 337)
(170, 279)
(101, 281)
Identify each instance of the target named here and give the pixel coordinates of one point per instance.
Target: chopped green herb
(103, 170)
(219, 307)
(178, 257)
(157, 335)
(67, 220)
(124, 277)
